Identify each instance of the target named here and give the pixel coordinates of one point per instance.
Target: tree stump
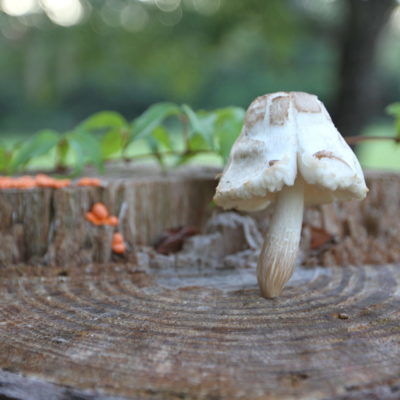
(47, 227)
(116, 330)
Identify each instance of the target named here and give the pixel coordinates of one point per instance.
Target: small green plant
(173, 135)
(394, 111)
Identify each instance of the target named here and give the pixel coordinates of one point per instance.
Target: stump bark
(47, 226)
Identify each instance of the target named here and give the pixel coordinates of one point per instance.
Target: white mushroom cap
(287, 134)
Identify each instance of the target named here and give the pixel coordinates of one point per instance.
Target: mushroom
(288, 153)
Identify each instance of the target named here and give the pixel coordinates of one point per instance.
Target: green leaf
(145, 124)
(184, 158)
(393, 109)
(3, 160)
(111, 126)
(155, 149)
(397, 125)
(197, 142)
(229, 122)
(152, 143)
(41, 143)
(111, 143)
(87, 150)
(62, 152)
(163, 137)
(201, 123)
(103, 120)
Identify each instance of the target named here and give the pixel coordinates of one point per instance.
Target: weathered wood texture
(105, 331)
(366, 232)
(45, 226)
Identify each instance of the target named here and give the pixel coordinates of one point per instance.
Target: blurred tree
(126, 54)
(360, 87)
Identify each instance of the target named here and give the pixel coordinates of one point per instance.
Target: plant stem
(185, 132)
(168, 153)
(358, 139)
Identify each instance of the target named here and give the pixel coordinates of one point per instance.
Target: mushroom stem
(278, 254)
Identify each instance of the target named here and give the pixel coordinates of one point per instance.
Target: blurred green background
(62, 60)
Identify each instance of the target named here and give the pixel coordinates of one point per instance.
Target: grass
(381, 155)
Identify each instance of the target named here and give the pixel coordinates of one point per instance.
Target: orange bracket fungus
(100, 211)
(118, 244)
(99, 215)
(86, 181)
(30, 182)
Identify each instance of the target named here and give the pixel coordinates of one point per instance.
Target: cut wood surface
(47, 227)
(106, 332)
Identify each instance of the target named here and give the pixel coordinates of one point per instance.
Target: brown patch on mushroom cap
(271, 163)
(247, 149)
(279, 110)
(256, 112)
(328, 154)
(305, 102)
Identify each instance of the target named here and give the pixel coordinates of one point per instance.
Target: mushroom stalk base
(278, 254)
